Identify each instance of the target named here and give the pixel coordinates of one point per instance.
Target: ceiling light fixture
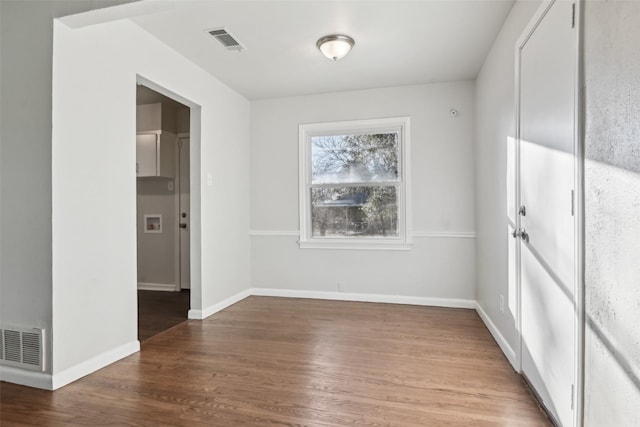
(335, 46)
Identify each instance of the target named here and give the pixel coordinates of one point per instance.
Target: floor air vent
(22, 348)
(226, 39)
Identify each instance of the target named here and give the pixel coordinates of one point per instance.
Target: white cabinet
(155, 154)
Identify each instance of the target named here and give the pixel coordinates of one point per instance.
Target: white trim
(508, 351)
(208, 311)
(93, 364)
(275, 233)
(342, 296)
(169, 287)
(25, 377)
(415, 235)
(579, 220)
(360, 245)
(53, 382)
(445, 234)
(403, 185)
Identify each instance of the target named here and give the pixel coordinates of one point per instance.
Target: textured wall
(612, 192)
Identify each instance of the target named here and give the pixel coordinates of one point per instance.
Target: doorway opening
(162, 211)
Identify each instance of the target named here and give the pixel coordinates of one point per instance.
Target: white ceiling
(397, 42)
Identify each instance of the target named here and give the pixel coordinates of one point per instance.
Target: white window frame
(306, 132)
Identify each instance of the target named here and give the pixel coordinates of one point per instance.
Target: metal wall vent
(22, 348)
(226, 39)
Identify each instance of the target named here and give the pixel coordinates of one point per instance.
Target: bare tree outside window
(354, 185)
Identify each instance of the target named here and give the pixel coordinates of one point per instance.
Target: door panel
(184, 213)
(547, 259)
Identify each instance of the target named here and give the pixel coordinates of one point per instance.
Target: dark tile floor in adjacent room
(159, 311)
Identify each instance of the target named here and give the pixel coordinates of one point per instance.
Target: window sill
(359, 245)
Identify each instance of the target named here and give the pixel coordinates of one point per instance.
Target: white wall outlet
(170, 186)
(209, 179)
(501, 303)
(339, 287)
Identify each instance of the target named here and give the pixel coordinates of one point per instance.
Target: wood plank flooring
(296, 362)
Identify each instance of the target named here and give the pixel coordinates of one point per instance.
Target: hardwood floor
(297, 362)
(159, 311)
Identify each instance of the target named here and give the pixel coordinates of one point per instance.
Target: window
(354, 184)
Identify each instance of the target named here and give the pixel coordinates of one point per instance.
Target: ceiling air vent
(226, 39)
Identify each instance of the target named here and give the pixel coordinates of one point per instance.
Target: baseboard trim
(417, 234)
(27, 378)
(343, 296)
(52, 382)
(91, 365)
(509, 353)
(208, 311)
(168, 287)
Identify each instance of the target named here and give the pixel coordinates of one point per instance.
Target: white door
(547, 257)
(184, 213)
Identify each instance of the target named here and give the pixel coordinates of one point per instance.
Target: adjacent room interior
(320, 213)
(162, 211)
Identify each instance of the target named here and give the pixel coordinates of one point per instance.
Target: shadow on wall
(615, 352)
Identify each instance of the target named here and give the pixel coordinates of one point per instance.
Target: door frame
(578, 158)
(178, 245)
(194, 189)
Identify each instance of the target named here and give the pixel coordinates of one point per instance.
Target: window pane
(354, 158)
(354, 211)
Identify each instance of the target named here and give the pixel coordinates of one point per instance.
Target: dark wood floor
(295, 362)
(159, 311)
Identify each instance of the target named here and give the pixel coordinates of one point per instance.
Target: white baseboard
(343, 296)
(500, 339)
(97, 362)
(53, 382)
(169, 287)
(208, 311)
(26, 377)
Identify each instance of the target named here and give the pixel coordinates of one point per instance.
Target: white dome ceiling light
(335, 46)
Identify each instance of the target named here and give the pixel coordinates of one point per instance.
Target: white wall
(612, 213)
(156, 251)
(494, 124)
(26, 34)
(94, 187)
(442, 195)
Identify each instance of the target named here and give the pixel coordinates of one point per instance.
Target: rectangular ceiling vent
(226, 39)
(22, 348)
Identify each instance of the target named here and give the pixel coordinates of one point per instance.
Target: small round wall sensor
(453, 112)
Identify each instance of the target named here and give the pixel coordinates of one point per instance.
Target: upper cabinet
(155, 155)
(153, 117)
(155, 141)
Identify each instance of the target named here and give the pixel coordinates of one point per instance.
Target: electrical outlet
(339, 287)
(501, 303)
